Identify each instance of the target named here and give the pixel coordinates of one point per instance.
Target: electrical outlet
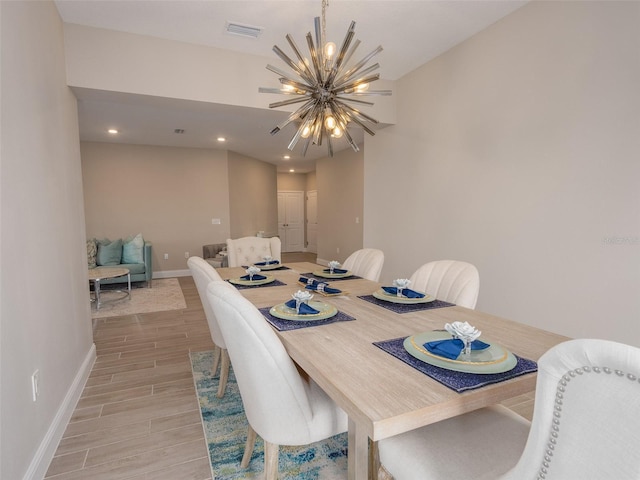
(338, 250)
(357, 219)
(166, 256)
(215, 221)
(186, 254)
(35, 385)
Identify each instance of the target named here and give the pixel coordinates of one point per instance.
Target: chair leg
(224, 372)
(248, 448)
(270, 461)
(216, 360)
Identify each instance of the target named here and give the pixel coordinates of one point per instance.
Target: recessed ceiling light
(291, 170)
(287, 157)
(112, 131)
(222, 139)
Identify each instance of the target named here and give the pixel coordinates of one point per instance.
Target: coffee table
(96, 275)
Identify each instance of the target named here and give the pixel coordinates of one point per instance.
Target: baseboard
(47, 449)
(172, 273)
(322, 261)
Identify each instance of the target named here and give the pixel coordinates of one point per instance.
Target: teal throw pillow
(92, 253)
(132, 249)
(109, 254)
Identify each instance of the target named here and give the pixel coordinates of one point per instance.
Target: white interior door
(291, 221)
(312, 221)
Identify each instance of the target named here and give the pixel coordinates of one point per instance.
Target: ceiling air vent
(250, 31)
(179, 131)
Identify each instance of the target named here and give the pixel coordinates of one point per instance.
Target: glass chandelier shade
(327, 86)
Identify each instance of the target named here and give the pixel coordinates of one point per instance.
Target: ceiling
(412, 32)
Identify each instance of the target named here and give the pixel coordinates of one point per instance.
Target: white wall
(518, 151)
(45, 314)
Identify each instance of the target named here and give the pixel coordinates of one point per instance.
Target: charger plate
(494, 359)
(387, 297)
(322, 273)
(271, 266)
(240, 281)
(325, 310)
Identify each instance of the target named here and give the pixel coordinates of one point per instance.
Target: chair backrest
(366, 263)
(273, 394)
(448, 280)
(249, 250)
(203, 274)
(586, 419)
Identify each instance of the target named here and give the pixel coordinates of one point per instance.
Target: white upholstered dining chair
(203, 273)
(586, 425)
(282, 407)
(449, 280)
(249, 250)
(366, 263)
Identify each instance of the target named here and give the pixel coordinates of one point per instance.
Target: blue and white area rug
(225, 428)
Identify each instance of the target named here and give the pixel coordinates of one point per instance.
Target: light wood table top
(382, 395)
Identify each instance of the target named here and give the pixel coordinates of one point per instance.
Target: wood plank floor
(138, 417)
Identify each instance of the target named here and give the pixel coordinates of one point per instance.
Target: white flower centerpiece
(251, 271)
(267, 259)
(333, 264)
(401, 284)
(301, 296)
(465, 332)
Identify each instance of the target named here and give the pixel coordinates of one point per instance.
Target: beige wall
(340, 187)
(45, 315)
(252, 196)
(518, 151)
(293, 182)
(311, 182)
(168, 194)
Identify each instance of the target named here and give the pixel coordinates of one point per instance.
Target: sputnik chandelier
(326, 87)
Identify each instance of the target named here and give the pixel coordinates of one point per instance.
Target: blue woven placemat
(458, 381)
(275, 283)
(283, 267)
(324, 279)
(284, 325)
(406, 307)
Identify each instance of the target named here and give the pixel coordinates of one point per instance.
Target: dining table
(382, 394)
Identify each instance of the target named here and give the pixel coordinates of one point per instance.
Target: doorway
(312, 221)
(291, 220)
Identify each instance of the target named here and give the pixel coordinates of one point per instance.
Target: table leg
(358, 458)
(129, 282)
(96, 287)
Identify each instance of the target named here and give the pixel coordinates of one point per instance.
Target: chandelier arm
(280, 73)
(309, 74)
(355, 83)
(279, 91)
(288, 61)
(353, 144)
(306, 123)
(363, 125)
(354, 112)
(370, 92)
(329, 146)
(361, 63)
(299, 113)
(350, 53)
(288, 102)
(297, 85)
(319, 34)
(306, 146)
(353, 76)
(343, 51)
(314, 59)
(355, 100)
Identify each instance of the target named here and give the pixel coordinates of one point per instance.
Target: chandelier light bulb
(330, 122)
(363, 87)
(337, 132)
(329, 50)
(306, 132)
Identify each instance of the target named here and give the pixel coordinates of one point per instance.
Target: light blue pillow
(132, 249)
(109, 253)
